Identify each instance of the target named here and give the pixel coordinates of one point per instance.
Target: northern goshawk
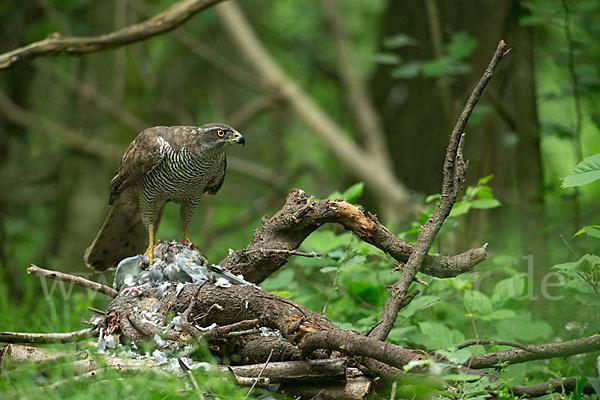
(163, 163)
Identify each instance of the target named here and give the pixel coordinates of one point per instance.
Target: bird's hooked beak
(237, 138)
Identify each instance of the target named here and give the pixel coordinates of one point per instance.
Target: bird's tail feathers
(122, 235)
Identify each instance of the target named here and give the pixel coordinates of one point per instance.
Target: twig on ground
(60, 276)
(260, 374)
(190, 375)
(45, 338)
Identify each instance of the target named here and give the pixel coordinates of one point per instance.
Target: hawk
(163, 163)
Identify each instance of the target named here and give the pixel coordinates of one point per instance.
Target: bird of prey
(163, 163)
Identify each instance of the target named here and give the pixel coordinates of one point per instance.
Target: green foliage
(461, 45)
(478, 196)
(591, 230)
(351, 195)
(587, 171)
(583, 277)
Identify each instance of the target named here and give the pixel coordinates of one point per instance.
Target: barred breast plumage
(162, 164)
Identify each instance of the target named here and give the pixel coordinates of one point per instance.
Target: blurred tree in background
(338, 93)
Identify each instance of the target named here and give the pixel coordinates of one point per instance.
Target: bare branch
(60, 276)
(551, 386)
(476, 342)
(45, 338)
(541, 352)
(163, 22)
(453, 178)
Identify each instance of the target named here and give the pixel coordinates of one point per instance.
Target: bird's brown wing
(142, 155)
(217, 181)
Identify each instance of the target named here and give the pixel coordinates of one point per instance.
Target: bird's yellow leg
(151, 245)
(186, 236)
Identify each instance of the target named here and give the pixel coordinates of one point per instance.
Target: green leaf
(432, 197)
(477, 303)
(335, 196)
(585, 172)
(279, 281)
(460, 208)
(503, 314)
(328, 269)
(366, 291)
(399, 40)
(461, 45)
(386, 58)
(507, 289)
(485, 192)
(485, 179)
(591, 230)
(440, 336)
(436, 68)
(354, 192)
(485, 203)
(521, 329)
(460, 377)
(407, 70)
(579, 388)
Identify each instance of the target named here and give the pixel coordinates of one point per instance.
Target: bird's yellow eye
(220, 133)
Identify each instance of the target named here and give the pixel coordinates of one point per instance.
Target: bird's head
(217, 136)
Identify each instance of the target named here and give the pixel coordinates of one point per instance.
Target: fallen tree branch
(45, 338)
(296, 323)
(551, 386)
(163, 22)
(60, 276)
(541, 352)
(300, 216)
(454, 172)
(475, 342)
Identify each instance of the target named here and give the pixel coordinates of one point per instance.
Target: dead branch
(551, 386)
(45, 338)
(296, 323)
(294, 371)
(454, 172)
(475, 342)
(541, 352)
(300, 216)
(17, 354)
(163, 22)
(60, 276)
